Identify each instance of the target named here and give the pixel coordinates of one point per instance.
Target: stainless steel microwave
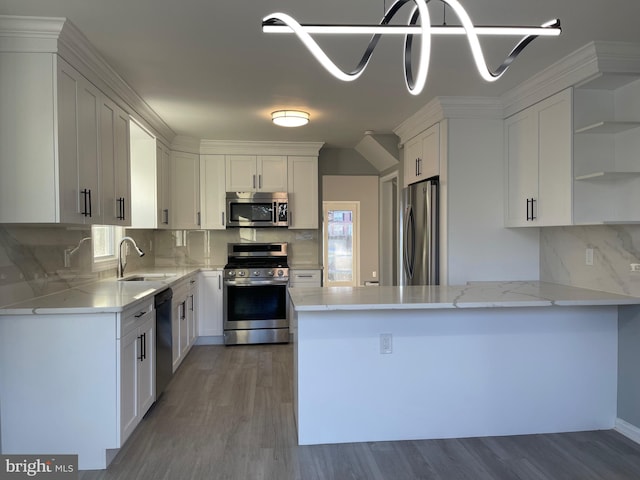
(257, 209)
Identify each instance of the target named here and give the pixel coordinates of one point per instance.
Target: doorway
(389, 229)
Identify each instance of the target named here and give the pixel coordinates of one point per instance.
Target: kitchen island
(484, 359)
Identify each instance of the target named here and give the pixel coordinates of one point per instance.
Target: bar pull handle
(138, 315)
(219, 282)
(199, 219)
(89, 202)
(141, 357)
(222, 219)
(260, 181)
(254, 181)
(191, 303)
(533, 203)
(165, 216)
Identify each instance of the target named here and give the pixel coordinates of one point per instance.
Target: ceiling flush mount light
(283, 23)
(290, 118)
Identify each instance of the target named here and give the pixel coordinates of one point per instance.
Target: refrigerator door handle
(409, 242)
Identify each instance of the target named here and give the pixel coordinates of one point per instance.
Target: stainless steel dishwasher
(164, 344)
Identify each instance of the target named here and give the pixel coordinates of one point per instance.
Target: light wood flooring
(228, 414)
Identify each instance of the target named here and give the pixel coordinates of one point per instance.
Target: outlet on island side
(386, 343)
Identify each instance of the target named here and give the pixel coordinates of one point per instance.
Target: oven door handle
(253, 282)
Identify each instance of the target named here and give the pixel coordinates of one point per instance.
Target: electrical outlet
(374, 274)
(588, 259)
(386, 343)
(635, 267)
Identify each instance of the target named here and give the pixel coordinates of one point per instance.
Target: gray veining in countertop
(472, 295)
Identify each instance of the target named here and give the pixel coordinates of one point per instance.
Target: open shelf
(608, 176)
(608, 127)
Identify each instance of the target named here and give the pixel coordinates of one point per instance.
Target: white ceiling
(208, 70)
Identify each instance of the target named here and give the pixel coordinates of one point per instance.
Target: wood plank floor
(228, 414)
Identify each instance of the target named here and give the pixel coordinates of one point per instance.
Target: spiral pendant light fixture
(283, 23)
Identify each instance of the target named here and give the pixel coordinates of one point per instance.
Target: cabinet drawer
(305, 278)
(133, 314)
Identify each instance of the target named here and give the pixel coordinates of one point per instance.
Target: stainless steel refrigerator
(421, 235)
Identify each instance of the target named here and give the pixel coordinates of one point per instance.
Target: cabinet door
(210, 312)
(164, 186)
(303, 192)
(184, 327)
(272, 173)
(212, 192)
(114, 159)
(129, 413)
(192, 312)
(241, 173)
(412, 159)
(429, 165)
(78, 120)
(146, 363)
(176, 323)
(185, 188)
(555, 172)
(521, 153)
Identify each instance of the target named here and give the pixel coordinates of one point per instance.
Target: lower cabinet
(137, 367)
(183, 318)
(210, 312)
(305, 277)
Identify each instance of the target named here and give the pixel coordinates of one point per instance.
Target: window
(341, 237)
(105, 241)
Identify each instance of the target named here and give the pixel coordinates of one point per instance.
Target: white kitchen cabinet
(115, 164)
(256, 173)
(185, 188)
(184, 318)
(422, 156)
(192, 311)
(308, 277)
(210, 313)
(606, 146)
(538, 153)
(303, 192)
(163, 165)
(212, 192)
(137, 367)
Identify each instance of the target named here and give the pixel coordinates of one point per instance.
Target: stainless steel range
(256, 304)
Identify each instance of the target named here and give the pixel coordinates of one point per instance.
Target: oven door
(255, 304)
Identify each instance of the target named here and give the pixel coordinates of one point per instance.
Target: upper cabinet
(115, 161)
(256, 173)
(163, 186)
(185, 188)
(50, 142)
(538, 152)
(212, 192)
(422, 156)
(303, 192)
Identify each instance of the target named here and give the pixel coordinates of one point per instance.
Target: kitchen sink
(149, 277)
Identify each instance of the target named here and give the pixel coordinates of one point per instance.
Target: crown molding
(60, 36)
(441, 108)
(185, 144)
(239, 147)
(596, 65)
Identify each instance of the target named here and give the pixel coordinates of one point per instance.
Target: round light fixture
(290, 118)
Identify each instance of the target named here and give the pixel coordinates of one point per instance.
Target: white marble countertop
(472, 295)
(109, 295)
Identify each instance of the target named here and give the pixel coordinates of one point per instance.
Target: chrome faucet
(122, 265)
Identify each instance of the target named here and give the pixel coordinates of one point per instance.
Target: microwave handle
(275, 212)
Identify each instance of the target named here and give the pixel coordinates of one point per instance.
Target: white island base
(453, 372)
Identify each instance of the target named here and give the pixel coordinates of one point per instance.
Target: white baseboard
(628, 430)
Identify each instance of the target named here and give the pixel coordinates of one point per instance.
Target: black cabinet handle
(121, 209)
(141, 357)
(528, 216)
(165, 215)
(138, 315)
(89, 202)
(192, 303)
(419, 165)
(533, 203)
(223, 219)
(198, 219)
(530, 209)
(416, 167)
(84, 193)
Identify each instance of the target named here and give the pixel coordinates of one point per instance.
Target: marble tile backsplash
(615, 247)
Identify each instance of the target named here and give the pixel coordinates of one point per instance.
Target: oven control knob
(231, 273)
(241, 273)
(270, 273)
(280, 273)
(256, 273)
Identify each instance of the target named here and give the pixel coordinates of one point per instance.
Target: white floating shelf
(608, 176)
(608, 127)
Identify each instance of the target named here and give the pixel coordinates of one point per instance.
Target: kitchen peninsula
(487, 358)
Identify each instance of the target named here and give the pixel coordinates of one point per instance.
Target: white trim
(628, 430)
(242, 147)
